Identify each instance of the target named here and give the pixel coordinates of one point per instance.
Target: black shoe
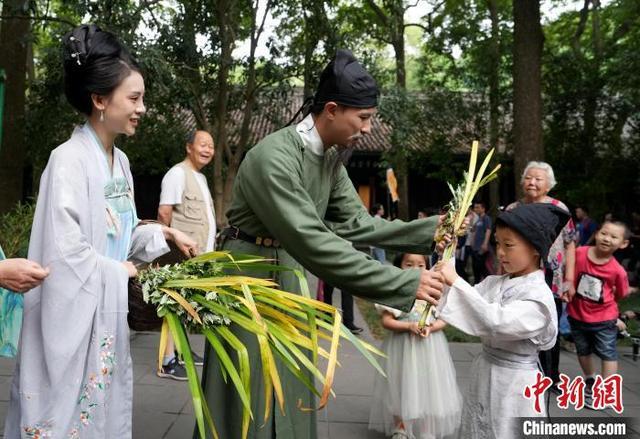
(354, 329)
(197, 359)
(173, 370)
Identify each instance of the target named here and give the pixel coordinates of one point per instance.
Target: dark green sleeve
(347, 216)
(272, 186)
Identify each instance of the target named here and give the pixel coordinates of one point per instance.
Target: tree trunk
(403, 189)
(247, 115)
(309, 46)
(222, 98)
(14, 40)
(401, 73)
(191, 67)
(401, 167)
(528, 40)
(494, 98)
(594, 89)
(316, 28)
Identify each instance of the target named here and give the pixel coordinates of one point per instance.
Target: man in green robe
(294, 202)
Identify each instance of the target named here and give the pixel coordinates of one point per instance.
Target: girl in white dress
(515, 317)
(419, 398)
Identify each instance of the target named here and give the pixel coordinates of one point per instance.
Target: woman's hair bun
(94, 62)
(77, 44)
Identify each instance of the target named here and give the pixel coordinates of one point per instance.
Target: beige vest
(190, 217)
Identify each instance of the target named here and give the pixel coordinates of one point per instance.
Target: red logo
(537, 390)
(571, 392)
(608, 393)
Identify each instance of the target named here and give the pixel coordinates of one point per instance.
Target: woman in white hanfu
(515, 317)
(73, 377)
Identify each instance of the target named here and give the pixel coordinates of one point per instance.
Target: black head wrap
(346, 82)
(538, 223)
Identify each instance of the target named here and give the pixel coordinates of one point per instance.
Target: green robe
(309, 204)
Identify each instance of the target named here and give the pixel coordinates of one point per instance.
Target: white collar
(310, 136)
(536, 276)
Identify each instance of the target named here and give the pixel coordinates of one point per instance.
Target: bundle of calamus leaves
(207, 294)
(458, 208)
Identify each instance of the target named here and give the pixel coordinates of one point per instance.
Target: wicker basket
(143, 316)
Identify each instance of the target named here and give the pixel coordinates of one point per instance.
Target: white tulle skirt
(420, 388)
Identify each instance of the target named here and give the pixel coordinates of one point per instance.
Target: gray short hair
(551, 178)
(191, 137)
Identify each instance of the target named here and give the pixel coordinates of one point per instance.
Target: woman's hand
(447, 271)
(21, 275)
(132, 271)
(185, 244)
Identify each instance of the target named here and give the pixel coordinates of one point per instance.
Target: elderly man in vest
(186, 204)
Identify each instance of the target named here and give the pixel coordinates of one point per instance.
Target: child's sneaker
(400, 433)
(173, 370)
(588, 394)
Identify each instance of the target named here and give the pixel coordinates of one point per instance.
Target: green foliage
(15, 230)
(590, 80)
(203, 295)
(591, 87)
(152, 279)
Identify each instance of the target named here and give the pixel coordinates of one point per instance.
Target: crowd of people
(574, 276)
(293, 202)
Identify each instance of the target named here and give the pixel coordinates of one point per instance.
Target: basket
(143, 316)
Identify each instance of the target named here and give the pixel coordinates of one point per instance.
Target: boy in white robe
(515, 317)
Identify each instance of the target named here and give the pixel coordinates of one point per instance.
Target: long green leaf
(303, 359)
(269, 369)
(244, 366)
(210, 283)
(300, 376)
(182, 346)
(217, 255)
(234, 316)
(345, 333)
(278, 346)
(228, 365)
(311, 314)
(364, 349)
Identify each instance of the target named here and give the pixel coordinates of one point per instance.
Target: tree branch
(267, 8)
(379, 12)
(409, 6)
(584, 15)
(145, 5)
(622, 30)
(421, 26)
(38, 18)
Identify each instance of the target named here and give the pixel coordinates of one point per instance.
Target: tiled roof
(271, 115)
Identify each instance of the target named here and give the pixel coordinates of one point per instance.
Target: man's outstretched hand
(430, 288)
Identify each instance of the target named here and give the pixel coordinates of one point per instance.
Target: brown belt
(232, 232)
